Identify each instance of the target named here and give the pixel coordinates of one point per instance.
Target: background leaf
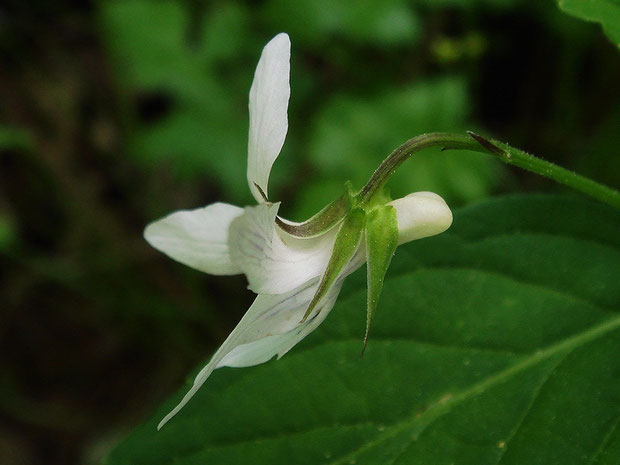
(605, 12)
(497, 341)
(315, 21)
(188, 112)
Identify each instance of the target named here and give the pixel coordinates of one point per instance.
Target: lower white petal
(265, 349)
(271, 327)
(275, 262)
(197, 238)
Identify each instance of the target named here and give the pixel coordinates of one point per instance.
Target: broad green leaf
(497, 342)
(604, 12)
(381, 242)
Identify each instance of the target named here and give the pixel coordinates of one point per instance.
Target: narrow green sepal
(346, 244)
(381, 197)
(381, 242)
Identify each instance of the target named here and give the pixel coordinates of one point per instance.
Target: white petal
(265, 349)
(197, 238)
(269, 97)
(275, 263)
(270, 327)
(421, 214)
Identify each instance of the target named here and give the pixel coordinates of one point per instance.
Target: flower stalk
(504, 152)
(531, 163)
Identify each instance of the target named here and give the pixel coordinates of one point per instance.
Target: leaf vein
(530, 405)
(605, 440)
(440, 408)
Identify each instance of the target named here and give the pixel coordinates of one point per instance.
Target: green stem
(505, 153)
(389, 166)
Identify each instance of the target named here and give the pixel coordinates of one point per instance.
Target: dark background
(113, 114)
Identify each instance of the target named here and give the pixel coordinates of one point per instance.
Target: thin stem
(387, 168)
(549, 170)
(505, 153)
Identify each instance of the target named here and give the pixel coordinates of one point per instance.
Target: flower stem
(505, 153)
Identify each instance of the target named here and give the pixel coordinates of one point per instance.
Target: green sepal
(381, 197)
(381, 242)
(346, 244)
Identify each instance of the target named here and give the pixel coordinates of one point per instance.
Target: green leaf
(497, 342)
(381, 242)
(604, 12)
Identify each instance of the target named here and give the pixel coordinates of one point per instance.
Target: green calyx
(381, 242)
(334, 213)
(376, 224)
(346, 244)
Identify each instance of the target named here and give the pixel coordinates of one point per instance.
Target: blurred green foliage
(193, 121)
(14, 139)
(191, 88)
(353, 136)
(7, 231)
(373, 22)
(364, 80)
(115, 113)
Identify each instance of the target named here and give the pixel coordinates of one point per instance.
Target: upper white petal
(421, 214)
(269, 97)
(275, 262)
(271, 327)
(197, 238)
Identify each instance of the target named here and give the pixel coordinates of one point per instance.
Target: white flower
(287, 272)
